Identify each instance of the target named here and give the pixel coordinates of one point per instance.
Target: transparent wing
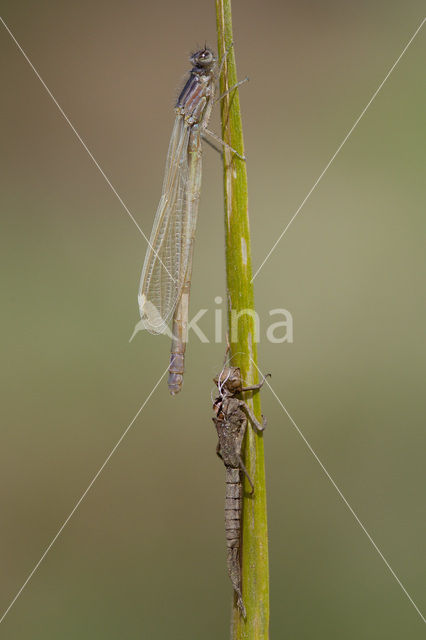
(167, 256)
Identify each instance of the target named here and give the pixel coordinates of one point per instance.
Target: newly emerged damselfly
(166, 274)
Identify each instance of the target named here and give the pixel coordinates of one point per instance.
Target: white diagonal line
(341, 495)
(80, 139)
(80, 500)
(340, 146)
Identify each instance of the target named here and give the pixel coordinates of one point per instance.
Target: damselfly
(166, 274)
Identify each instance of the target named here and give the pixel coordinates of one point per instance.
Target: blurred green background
(143, 556)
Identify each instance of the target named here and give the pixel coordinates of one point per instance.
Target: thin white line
(341, 495)
(80, 139)
(341, 144)
(113, 450)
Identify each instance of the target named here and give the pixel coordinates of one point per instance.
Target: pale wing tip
(141, 302)
(151, 318)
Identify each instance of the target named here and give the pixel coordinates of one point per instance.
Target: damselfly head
(203, 59)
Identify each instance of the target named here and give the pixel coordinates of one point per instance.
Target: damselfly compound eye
(203, 58)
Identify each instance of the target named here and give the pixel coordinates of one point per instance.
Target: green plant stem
(241, 320)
